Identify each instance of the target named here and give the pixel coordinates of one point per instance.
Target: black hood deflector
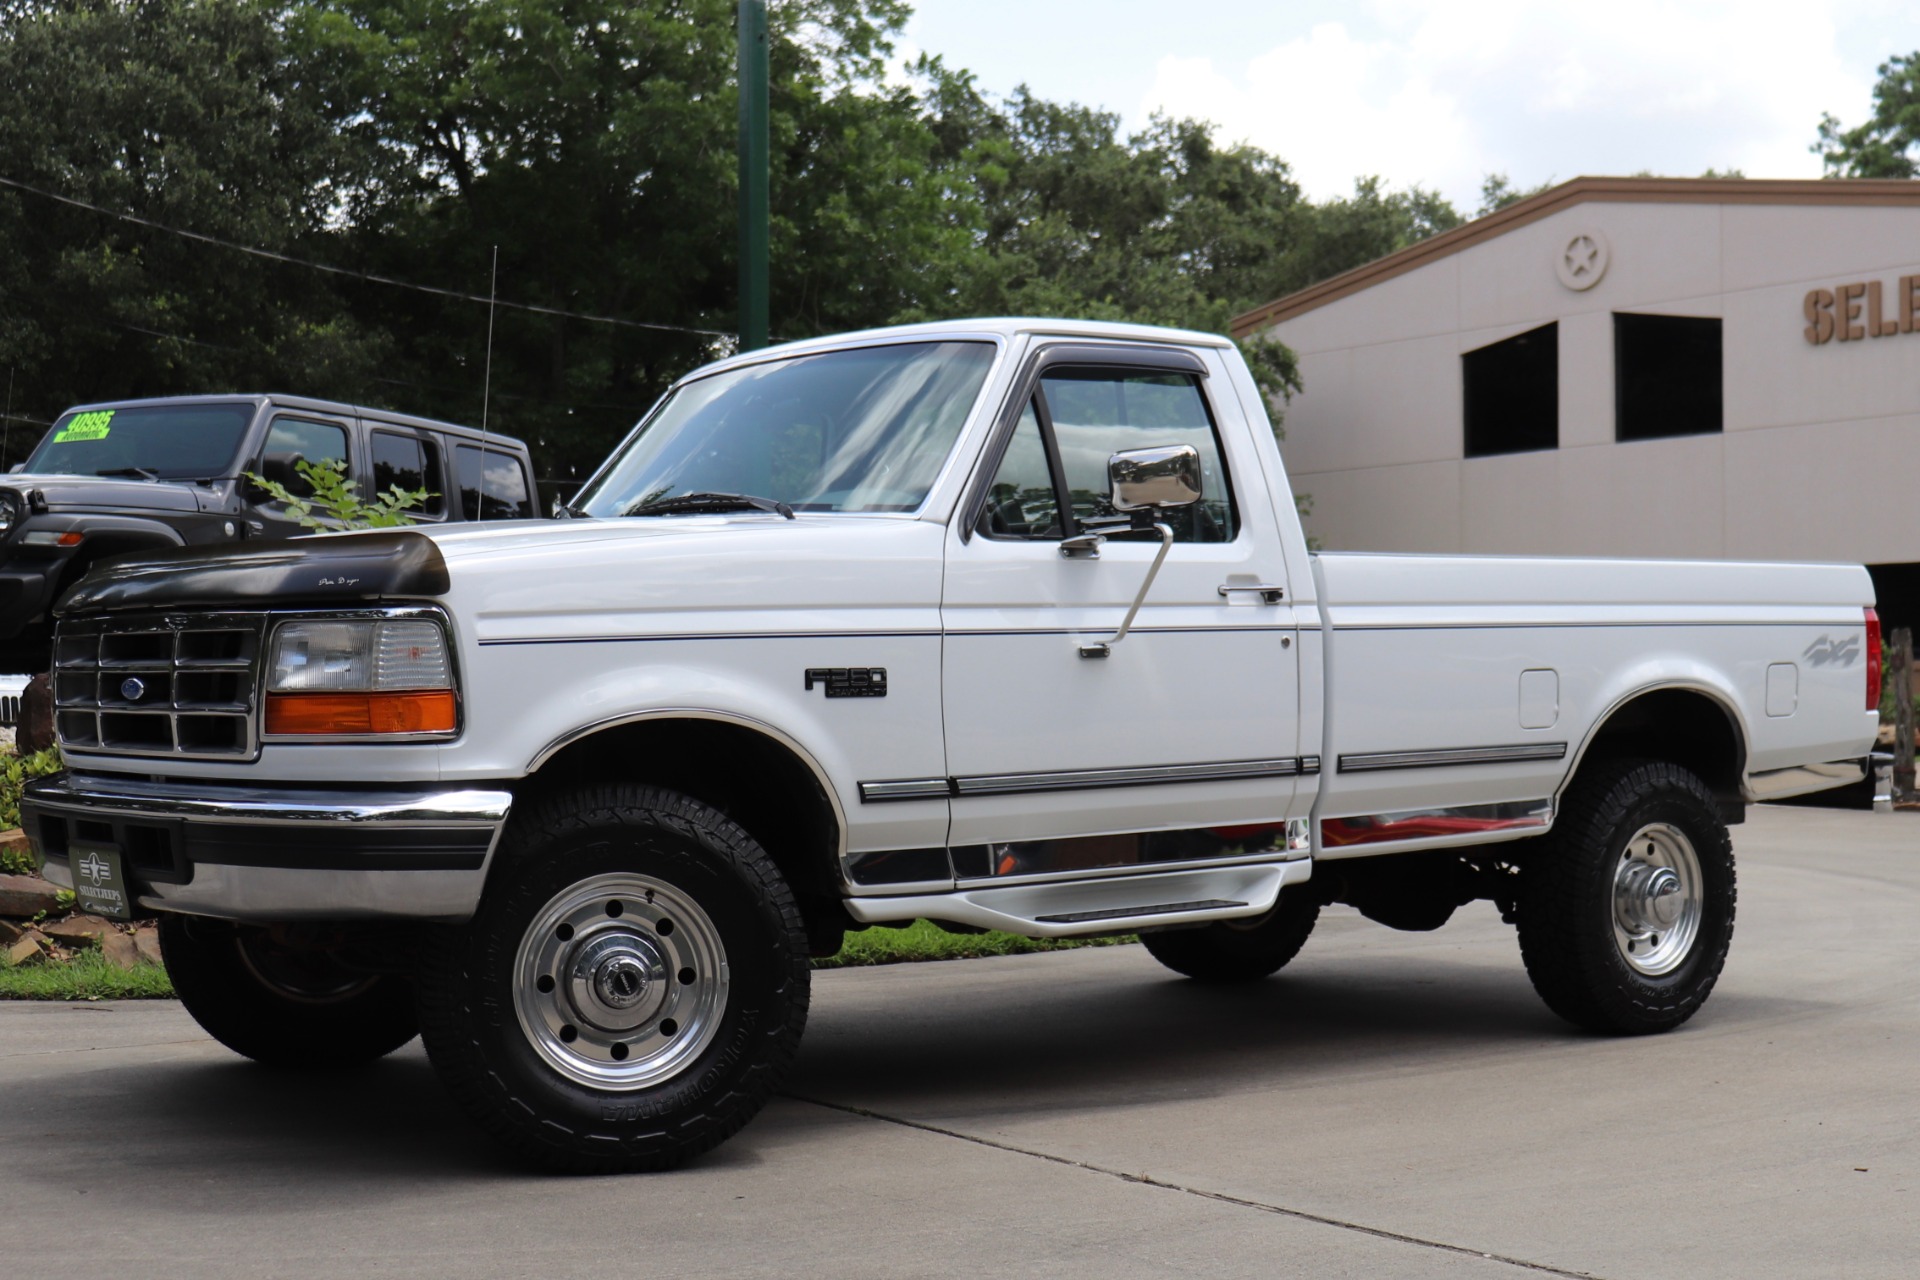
(355, 569)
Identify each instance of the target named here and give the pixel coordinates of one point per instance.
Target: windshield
(859, 430)
(165, 442)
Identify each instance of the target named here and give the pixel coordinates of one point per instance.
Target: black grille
(158, 685)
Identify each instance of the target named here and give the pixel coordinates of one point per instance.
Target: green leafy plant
(339, 506)
(14, 772)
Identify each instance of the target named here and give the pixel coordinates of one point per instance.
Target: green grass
(923, 940)
(87, 976)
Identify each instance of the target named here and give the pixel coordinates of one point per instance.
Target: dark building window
(1666, 376)
(1513, 393)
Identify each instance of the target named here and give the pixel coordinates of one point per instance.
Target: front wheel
(632, 989)
(266, 996)
(1626, 911)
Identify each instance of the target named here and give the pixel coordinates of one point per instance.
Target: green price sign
(86, 426)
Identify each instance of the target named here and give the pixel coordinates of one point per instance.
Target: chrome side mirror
(1146, 479)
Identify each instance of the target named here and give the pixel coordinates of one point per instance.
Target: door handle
(1269, 593)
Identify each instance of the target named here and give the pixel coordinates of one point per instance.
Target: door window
(411, 463)
(294, 440)
(1021, 502)
(1096, 413)
(493, 486)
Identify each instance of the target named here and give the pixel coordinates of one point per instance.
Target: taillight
(1873, 660)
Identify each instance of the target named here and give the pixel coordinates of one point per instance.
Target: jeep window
(410, 463)
(291, 441)
(162, 442)
(866, 429)
(493, 485)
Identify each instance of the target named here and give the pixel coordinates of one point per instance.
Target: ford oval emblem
(133, 688)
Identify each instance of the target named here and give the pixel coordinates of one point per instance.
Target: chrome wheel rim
(620, 982)
(1657, 899)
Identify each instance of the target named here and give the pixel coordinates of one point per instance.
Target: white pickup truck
(1001, 624)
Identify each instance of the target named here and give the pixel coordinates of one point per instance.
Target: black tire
(557, 1067)
(281, 1005)
(1594, 950)
(1238, 950)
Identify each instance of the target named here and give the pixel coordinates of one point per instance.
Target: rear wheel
(632, 989)
(269, 997)
(1238, 950)
(1626, 911)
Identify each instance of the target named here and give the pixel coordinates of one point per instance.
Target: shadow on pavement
(1147, 1035)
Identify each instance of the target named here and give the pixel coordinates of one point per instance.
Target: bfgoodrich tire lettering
(633, 987)
(1626, 911)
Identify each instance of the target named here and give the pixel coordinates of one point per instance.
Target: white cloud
(1423, 91)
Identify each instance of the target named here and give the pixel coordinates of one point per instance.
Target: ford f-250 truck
(1002, 624)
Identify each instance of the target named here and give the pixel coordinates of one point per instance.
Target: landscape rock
(77, 931)
(146, 941)
(15, 841)
(119, 949)
(35, 730)
(27, 950)
(11, 933)
(23, 897)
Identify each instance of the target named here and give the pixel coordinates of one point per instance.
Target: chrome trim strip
(1001, 784)
(199, 802)
(1803, 779)
(1371, 761)
(905, 789)
(1455, 824)
(705, 636)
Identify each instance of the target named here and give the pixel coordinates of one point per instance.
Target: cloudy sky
(1440, 94)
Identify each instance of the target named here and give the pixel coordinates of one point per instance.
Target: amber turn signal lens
(408, 711)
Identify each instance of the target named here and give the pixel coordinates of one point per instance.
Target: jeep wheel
(279, 1003)
(632, 989)
(1626, 911)
(1238, 950)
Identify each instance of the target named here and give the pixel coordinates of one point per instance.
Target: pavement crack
(1143, 1179)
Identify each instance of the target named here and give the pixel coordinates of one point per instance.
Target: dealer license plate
(99, 882)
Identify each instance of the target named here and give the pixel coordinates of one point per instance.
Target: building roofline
(1803, 191)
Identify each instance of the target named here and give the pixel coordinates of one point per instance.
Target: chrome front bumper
(254, 853)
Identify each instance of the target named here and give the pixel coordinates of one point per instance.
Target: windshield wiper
(142, 472)
(709, 502)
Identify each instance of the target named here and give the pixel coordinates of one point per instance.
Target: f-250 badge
(850, 682)
(1827, 652)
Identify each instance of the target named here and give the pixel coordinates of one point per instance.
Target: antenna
(6, 422)
(493, 294)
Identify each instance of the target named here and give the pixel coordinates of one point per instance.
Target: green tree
(1887, 145)
(1497, 192)
(188, 113)
(593, 141)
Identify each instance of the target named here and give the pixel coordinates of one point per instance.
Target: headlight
(11, 509)
(353, 678)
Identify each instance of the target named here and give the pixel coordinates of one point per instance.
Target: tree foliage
(591, 143)
(1887, 145)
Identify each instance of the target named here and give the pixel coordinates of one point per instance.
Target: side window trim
(1117, 356)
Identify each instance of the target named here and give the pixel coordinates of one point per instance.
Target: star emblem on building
(1582, 254)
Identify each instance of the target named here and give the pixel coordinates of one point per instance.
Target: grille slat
(179, 686)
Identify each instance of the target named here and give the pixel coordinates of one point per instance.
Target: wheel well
(1683, 727)
(754, 779)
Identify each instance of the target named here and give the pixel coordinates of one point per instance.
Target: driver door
(1189, 727)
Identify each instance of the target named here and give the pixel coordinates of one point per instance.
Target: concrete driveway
(1391, 1105)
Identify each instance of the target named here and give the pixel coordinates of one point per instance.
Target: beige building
(1626, 366)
